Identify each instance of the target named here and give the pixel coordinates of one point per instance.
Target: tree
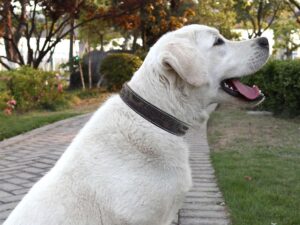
(154, 18)
(162, 16)
(98, 31)
(257, 15)
(219, 14)
(10, 31)
(294, 7)
(48, 21)
(286, 34)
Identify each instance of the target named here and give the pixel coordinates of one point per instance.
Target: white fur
(123, 170)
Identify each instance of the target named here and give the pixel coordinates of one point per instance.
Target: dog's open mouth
(237, 89)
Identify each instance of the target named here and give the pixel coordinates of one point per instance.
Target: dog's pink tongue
(250, 93)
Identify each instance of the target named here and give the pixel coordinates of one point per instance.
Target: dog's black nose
(263, 42)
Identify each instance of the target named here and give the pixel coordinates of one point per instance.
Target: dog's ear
(186, 62)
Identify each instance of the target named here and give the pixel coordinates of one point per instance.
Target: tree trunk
(81, 76)
(90, 69)
(289, 54)
(8, 40)
(12, 33)
(71, 61)
(101, 43)
(142, 26)
(135, 38)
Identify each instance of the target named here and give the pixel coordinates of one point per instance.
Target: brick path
(26, 158)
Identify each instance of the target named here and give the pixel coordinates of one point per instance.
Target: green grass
(16, 124)
(19, 123)
(257, 162)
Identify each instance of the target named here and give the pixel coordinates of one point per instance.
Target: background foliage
(280, 82)
(119, 68)
(98, 21)
(34, 89)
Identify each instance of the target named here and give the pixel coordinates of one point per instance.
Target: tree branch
(10, 60)
(4, 64)
(259, 17)
(33, 26)
(295, 3)
(52, 33)
(16, 48)
(45, 50)
(273, 18)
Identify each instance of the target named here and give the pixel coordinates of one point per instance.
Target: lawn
(19, 123)
(257, 163)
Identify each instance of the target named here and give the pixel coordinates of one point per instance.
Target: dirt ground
(230, 125)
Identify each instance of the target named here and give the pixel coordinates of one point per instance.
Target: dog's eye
(219, 41)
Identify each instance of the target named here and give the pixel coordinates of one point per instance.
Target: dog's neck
(151, 87)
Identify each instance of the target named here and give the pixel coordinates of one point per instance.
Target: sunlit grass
(257, 162)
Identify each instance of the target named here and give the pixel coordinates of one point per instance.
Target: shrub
(35, 89)
(4, 98)
(280, 81)
(90, 93)
(119, 68)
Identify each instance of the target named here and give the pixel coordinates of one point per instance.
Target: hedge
(118, 68)
(33, 89)
(280, 82)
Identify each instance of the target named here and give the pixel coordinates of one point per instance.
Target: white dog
(122, 169)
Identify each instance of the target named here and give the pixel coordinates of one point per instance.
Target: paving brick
(46, 161)
(33, 170)
(4, 215)
(25, 175)
(15, 180)
(4, 194)
(199, 207)
(28, 185)
(40, 165)
(9, 187)
(204, 189)
(203, 214)
(20, 191)
(203, 194)
(4, 176)
(203, 221)
(203, 200)
(13, 167)
(13, 198)
(206, 184)
(35, 179)
(8, 206)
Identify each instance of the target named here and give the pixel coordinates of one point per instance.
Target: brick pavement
(26, 158)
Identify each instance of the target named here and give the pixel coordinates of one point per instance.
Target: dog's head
(209, 65)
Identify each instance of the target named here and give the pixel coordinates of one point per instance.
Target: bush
(35, 89)
(4, 98)
(89, 93)
(119, 68)
(280, 82)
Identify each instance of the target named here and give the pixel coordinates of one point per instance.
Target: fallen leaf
(248, 178)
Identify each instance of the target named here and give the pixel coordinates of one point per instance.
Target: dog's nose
(263, 42)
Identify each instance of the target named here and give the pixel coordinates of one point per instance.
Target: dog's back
(117, 171)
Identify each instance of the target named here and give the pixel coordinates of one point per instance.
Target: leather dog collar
(151, 113)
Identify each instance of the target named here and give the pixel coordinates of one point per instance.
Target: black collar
(151, 113)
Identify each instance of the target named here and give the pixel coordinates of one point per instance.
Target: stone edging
(26, 135)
